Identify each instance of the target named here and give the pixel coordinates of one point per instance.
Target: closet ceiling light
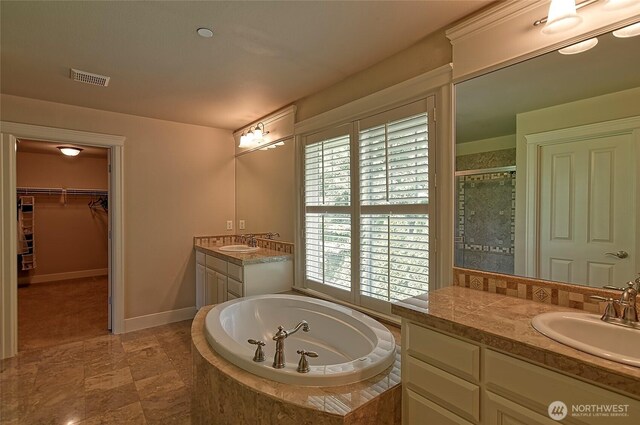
(580, 47)
(628, 31)
(69, 150)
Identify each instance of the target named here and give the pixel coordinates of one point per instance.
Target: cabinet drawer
(216, 264)
(536, 387)
(234, 287)
(200, 258)
(502, 411)
(235, 272)
(230, 296)
(419, 410)
(453, 355)
(451, 392)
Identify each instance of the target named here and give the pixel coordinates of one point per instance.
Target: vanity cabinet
(449, 380)
(219, 280)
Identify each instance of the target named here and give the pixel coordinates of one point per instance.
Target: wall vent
(89, 78)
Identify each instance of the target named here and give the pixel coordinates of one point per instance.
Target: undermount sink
(239, 248)
(586, 332)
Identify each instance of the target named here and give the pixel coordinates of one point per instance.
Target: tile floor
(142, 377)
(75, 309)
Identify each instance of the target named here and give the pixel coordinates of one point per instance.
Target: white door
(201, 281)
(210, 291)
(221, 286)
(588, 210)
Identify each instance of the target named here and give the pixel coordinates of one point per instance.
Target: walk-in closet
(62, 242)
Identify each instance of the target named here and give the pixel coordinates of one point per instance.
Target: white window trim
(433, 83)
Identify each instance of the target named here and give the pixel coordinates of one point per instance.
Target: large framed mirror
(265, 190)
(547, 155)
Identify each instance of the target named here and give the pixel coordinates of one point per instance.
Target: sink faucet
(249, 239)
(628, 301)
(279, 337)
(272, 235)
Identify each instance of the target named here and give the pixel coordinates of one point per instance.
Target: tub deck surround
(225, 394)
(351, 346)
(504, 323)
(270, 250)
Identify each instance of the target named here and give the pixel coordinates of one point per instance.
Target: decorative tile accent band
(542, 291)
(263, 242)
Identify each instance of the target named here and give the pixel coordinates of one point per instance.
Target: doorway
(63, 248)
(10, 134)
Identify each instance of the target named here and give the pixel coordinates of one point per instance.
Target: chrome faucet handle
(629, 311)
(259, 355)
(303, 364)
(610, 310)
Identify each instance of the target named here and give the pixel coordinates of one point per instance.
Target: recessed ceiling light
(580, 47)
(628, 31)
(205, 32)
(69, 150)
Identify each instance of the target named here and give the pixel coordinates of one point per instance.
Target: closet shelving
(60, 191)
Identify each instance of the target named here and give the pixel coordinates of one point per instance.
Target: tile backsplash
(542, 291)
(263, 242)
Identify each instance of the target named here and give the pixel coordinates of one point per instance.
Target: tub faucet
(279, 337)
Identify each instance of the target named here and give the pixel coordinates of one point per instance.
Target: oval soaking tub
(351, 346)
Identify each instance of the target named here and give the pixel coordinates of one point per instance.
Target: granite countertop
(340, 400)
(504, 323)
(263, 255)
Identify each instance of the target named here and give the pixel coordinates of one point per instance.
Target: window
(367, 210)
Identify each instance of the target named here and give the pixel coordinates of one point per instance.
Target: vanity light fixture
(254, 137)
(617, 4)
(562, 16)
(580, 47)
(628, 31)
(69, 150)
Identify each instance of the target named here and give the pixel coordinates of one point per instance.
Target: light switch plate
(229, 224)
(241, 224)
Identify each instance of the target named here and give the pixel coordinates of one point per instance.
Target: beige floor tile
(108, 380)
(164, 396)
(140, 343)
(98, 402)
(148, 362)
(130, 414)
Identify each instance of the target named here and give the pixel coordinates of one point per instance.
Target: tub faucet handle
(303, 364)
(259, 355)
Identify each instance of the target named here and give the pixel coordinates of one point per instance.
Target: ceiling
(486, 106)
(263, 55)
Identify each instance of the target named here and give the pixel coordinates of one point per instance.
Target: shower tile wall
(486, 213)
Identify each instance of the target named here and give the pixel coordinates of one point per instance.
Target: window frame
(424, 104)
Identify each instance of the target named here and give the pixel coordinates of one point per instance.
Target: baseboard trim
(158, 319)
(53, 277)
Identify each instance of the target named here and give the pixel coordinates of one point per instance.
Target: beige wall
(178, 182)
(69, 236)
(429, 53)
(265, 191)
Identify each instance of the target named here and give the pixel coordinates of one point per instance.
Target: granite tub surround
(270, 250)
(225, 394)
(504, 323)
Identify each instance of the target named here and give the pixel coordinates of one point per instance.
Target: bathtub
(351, 346)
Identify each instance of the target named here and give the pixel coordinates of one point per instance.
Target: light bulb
(69, 150)
(628, 31)
(562, 16)
(580, 47)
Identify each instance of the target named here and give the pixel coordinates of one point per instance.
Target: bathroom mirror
(265, 186)
(547, 155)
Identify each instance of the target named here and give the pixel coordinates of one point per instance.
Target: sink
(239, 248)
(586, 332)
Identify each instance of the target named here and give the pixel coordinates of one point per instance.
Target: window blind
(394, 173)
(327, 226)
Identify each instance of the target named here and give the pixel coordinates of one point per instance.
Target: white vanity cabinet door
(221, 287)
(500, 411)
(421, 411)
(201, 278)
(210, 293)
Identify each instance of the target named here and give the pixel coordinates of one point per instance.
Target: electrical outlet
(229, 224)
(241, 224)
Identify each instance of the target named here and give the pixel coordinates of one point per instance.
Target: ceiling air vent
(89, 78)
